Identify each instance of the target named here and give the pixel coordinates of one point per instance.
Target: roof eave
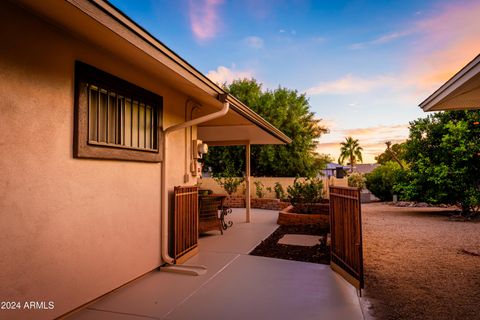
(238, 106)
(462, 76)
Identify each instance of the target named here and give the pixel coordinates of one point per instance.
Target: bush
(279, 191)
(229, 184)
(259, 189)
(382, 180)
(309, 191)
(356, 180)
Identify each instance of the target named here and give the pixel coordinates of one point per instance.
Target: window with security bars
(119, 121)
(114, 118)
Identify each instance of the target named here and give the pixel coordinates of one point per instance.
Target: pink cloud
(350, 84)
(204, 18)
(446, 43)
(227, 75)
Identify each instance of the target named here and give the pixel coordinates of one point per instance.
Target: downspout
(164, 190)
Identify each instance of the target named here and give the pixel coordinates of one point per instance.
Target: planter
(320, 216)
(312, 208)
(234, 201)
(269, 204)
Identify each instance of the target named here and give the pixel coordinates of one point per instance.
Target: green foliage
(259, 189)
(321, 161)
(382, 180)
(279, 191)
(356, 180)
(350, 149)
(229, 184)
(308, 191)
(228, 179)
(218, 159)
(290, 112)
(443, 151)
(398, 150)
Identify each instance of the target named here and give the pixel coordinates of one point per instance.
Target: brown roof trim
(120, 17)
(109, 9)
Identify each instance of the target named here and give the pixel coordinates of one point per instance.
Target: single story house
(99, 121)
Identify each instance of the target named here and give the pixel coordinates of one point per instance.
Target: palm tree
(350, 150)
(389, 143)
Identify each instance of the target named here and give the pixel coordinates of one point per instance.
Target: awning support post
(247, 183)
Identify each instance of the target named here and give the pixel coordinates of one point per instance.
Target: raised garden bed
(234, 201)
(269, 204)
(318, 214)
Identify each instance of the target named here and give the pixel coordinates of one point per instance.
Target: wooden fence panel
(184, 223)
(346, 234)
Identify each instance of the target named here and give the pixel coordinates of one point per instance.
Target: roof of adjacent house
(103, 24)
(462, 91)
(332, 165)
(365, 167)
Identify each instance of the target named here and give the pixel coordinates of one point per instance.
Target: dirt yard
(415, 266)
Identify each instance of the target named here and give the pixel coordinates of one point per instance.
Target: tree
(350, 149)
(321, 160)
(443, 151)
(382, 181)
(290, 112)
(395, 152)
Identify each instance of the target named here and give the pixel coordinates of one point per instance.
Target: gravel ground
(415, 266)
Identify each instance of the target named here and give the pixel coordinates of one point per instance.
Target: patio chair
(208, 214)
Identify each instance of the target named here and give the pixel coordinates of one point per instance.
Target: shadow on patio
(236, 285)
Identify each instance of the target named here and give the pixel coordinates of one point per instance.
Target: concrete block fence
(210, 183)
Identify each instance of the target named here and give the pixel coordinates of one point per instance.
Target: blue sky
(365, 65)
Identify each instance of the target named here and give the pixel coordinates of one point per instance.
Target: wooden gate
(184, 224)
(346, 234)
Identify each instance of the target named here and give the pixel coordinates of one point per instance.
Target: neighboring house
(93, 137)
(365, 168)
(332, 170)
(461, 92)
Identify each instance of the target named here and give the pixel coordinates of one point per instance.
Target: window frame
(86, 75)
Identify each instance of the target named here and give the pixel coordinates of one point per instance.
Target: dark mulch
(316, 254)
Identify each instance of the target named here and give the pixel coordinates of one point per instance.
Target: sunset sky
(365, 65)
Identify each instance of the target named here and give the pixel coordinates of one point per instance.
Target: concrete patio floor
(236, 285)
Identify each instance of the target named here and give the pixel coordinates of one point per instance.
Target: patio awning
(461, 92)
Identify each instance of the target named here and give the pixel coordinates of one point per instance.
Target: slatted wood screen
(184, 223)
(346, 234)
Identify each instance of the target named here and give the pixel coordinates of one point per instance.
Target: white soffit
(235, 135)
(462, 91)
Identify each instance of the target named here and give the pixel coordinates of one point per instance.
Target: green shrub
(279, 191)
(382, 180)
(259, 189)
(228, 181)
(356, 180)
(229, 184)
(308, 191)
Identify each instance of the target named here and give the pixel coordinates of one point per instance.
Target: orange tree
(443, 153)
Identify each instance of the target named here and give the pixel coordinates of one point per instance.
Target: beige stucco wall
(71, 229)
(210, 183)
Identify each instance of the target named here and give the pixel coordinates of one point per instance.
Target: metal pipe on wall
(164, 187)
